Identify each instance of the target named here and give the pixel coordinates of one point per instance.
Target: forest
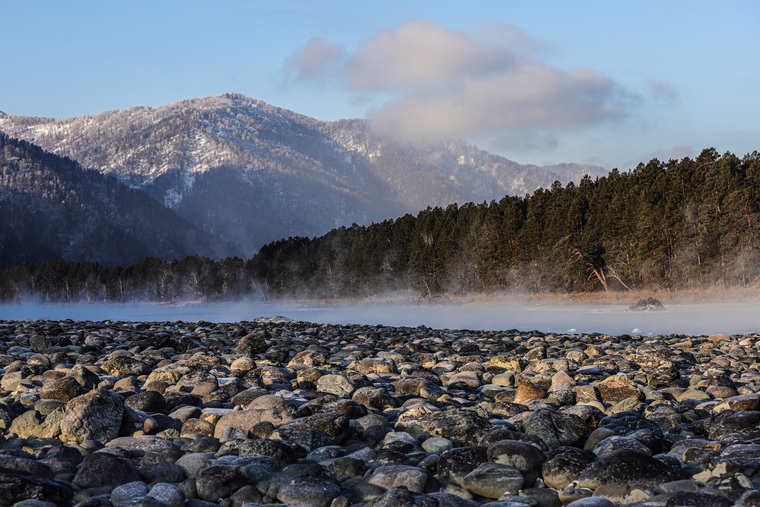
(688, 224)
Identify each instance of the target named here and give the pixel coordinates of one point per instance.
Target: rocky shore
(273, 412)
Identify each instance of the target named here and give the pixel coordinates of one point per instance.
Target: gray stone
(462, 427)
(104, 469)
(391, 476)
(455, 464)
(218, 481)
(492, 480)
(523, 456)
(128, 492)
(277, 449)
(18, 486)
(333, 424)
(312, 490)
(564, 465)
(92, 416)
(730, 426)
(626, 467)
(555, 428)
(169, 494)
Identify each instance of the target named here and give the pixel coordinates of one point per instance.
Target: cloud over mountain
(486, 81)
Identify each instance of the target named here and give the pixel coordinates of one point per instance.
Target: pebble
(272, 411)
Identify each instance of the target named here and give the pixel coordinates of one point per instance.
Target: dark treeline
(688, 224)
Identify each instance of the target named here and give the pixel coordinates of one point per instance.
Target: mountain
(50, 207)
(252, 173)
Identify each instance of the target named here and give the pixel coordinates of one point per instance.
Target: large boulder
(95, 415)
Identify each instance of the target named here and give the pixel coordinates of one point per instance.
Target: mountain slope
(252, 173)
(53, 208)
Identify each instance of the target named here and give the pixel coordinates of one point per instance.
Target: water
(613, 319)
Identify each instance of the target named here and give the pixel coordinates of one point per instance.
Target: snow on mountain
(252, 173)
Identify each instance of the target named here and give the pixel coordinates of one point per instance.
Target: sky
(541, 82)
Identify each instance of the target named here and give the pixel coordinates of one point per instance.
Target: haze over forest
(684, 224)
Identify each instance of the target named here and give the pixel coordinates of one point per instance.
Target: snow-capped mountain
(251, 173)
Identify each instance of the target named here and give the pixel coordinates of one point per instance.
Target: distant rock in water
(438, 300)
(647, 305)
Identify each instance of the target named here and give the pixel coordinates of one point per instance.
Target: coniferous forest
(683, 224)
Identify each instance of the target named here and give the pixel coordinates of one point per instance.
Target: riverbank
(275, 411)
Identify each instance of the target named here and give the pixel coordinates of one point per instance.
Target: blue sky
(602, 82)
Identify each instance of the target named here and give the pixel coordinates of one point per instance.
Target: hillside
(251, 173)
(688, 225)
(53, 208)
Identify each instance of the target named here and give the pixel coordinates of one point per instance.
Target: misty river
(607, 318)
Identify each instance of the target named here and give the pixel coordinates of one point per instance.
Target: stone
(626, 467)
(556, 429)
(455, 464)
(92, 416)
(277, 449)
(193, 462)
(527, 391)
(730, 426)
(391, 476)
(333, 424)
(104, 469)
(252, 344)
(123, 366)
(198, 382)
(147, 401)
(739, 403)
(594, 501)
(625, 423)
(62, 389)
(377, 365)
(18, 486)
(374, 397)
(307, 438)
(163, 471)
(564, 465)
(309, 490)
(128, 492)
(338, 385)
(400, 496)
(693, 499)
(247, 419)
(506, 362)
(218, 481)
(462, 427)
(526, 458)
(615, 388)
(168, 494)
(492, 480)
(32, 424)
(617, 442)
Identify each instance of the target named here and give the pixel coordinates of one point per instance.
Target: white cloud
(315, 60)
(485, 81)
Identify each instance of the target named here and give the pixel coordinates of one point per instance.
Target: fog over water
(608, 318)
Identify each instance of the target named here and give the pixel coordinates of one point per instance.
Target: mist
(605, 318)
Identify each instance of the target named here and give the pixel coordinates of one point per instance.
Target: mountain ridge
(266, 173)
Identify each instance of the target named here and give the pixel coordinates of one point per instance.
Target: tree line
(681, 224)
